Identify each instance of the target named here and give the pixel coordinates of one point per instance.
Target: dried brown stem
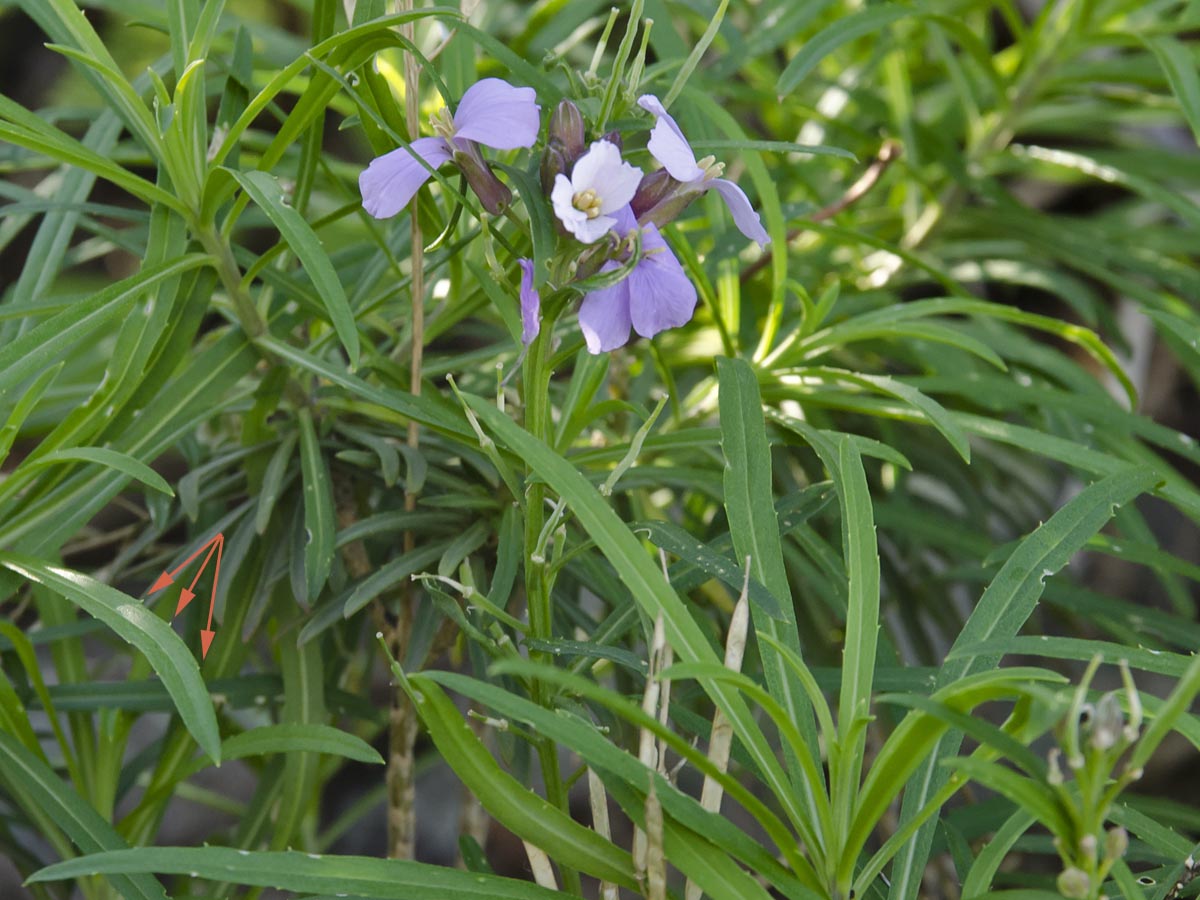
(887, 154)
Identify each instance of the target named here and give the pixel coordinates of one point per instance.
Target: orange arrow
(167, 578)
(206, 633)
(186, 595)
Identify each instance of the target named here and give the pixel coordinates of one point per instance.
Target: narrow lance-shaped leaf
(1004, 607)
(70, 812)
(136, 625)
(318, 508)
(384, 879)
(268, 194)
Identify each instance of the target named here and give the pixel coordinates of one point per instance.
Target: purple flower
(601, 184)
(492, 112)
(655, 296)
(671, 148)
(531, 304)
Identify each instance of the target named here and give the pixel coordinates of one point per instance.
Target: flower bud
(566, 127)
(1054, 775)
(492, 193)
(1116, 842)
(651, 191)
(1108, 724)
(614, 137)
(1087, 846)
(554, 163)
(670, 207)
(1074, 883)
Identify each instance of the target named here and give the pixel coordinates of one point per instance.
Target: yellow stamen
(587, 202)
(443, 123)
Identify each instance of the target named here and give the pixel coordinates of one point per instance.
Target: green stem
(536, 384)
(231, 278)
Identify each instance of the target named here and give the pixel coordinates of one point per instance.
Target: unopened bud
(554, 163)
(1134, 700)
(1116, 842)
(678, 198)
(652, 190)
(1074, 883)
(1087, 846)
(1054, 773)
(614, 137)
(566, 127)
(492, 193)
(1108, 724)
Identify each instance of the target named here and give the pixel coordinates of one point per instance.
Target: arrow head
(206, 639)
(163, 580)
(185, 597)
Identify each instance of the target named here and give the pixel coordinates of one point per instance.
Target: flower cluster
(609, 212)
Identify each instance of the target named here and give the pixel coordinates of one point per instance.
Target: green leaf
(423, 408)
(272, 482)
(59, 146)
(113, 459)
(385, 879)
(755, 529)
(1179, 65)
(514, 806)
(1038, 799)
(136, 625)
(269, 195)
(647, 586)
(31, 777)
(844, 30)
(611, 762)
(303, 707)
(1003, 609)
(678, 542)
(541, 222)
(24, 406)
(318, 508)
(39, 348)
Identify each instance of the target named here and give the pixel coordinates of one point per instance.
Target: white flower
(600, 184)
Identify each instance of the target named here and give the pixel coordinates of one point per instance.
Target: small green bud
(1116, 842)
(1054, 775)
(1087, 846)
(1074, 883)
(1108, 724)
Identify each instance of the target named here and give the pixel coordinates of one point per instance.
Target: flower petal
(498, 115)
(667, 143)
(619, 186)
(591, 230)
(531, 304)
(562, 198)
(390, 181)
(625, 220)
(604, 315)
(744, 216)
(661, 296)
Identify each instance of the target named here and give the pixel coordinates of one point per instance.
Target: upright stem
(536, 379)
(402, 720)
(231, 278)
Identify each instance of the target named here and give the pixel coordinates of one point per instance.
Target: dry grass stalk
(656, 862)
(647, 746)
(721, 738)
(598, 798)
(539, 862)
